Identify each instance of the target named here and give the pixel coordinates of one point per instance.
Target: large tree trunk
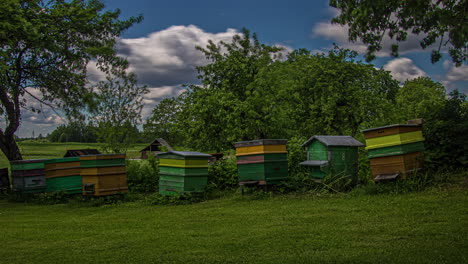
(9, 147)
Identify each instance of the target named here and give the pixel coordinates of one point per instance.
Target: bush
(445, 132)
(296, 155)
(222, 174)
(143, 175)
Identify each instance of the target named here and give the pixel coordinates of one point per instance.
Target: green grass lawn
(425, 227)
(41, 150)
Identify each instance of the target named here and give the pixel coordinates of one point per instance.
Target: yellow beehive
(184, 163)
(98, 185)
(261, 149)
(102, 170)
(393, 140)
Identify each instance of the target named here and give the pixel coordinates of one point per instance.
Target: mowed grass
(425, 227)
(41, 150)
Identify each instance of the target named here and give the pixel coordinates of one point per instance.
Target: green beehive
(332, 155)
(28, 176)
(182, 172)
(262, 161)
(63, 175)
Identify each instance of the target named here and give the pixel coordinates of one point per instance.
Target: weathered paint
(262, 149)
(396, 150)
(28, 176)
(104, 184)
(317, 151)
(68, 184)
(27, 164)
(103, 170)
(271, 172)
(184, 163)
(64, 172)
(390, 130)
(393, 140)
(183, 171)
(249, 159)
(102, 163)
(183, 183)
(102, 157)
(401, 164)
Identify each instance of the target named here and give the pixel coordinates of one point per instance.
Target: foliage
(222, 174)
(45, 49)
(436, 21)
(419, 98)
(118, 111)
(143, 175)
(296, 155)
(163, 120)
(445, 132)
(215, 114)
(75, 131)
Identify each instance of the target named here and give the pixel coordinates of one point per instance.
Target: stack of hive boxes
(28, 176)
(395, 150)
(262, 161)
(63, 175)
(182, 172)
(103, 174)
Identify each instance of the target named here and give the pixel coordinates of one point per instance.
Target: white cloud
(403, 69)
(455, 75)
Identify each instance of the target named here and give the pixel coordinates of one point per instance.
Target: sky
(161, 49)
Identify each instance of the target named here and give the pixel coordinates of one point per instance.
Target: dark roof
(259, 142)
(186, 153)
(80, 152)
(389, 126)
(156, 143)
(347, 141)
(320, 163)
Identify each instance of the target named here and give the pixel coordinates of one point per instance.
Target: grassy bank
(425, 227)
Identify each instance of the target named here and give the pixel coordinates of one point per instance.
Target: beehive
(63, 175)
(336, 156)
(262, 161)
(103, 174)
(182, 172)
(28, 176)
(394, 151)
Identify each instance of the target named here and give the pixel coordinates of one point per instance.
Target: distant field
(425, 227)
(36, 150)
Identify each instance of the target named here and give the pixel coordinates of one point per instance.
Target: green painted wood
(27, 164)
(59, 160)
(266, 157)
(68, 184)
(182, 171)
(185, 184)
(344, 162)
(102, 163)
(174, 155)
(271, 172)
(33, 184)
(317, 151)
(396, 150)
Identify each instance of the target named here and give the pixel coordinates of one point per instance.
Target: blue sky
(161, 48)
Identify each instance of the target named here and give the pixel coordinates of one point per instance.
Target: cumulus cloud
(455, 75)
(403, 69)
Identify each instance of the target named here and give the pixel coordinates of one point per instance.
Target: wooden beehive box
(332, 155)
(103, 174)
(63, 175)
(28, 176)
(182, 172)
(262, 161)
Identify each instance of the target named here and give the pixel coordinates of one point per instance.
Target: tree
(45, 47)
(163, 120)
(213, 115)
(118, 111)
(74, 131)
(437, 21)
(419, 98)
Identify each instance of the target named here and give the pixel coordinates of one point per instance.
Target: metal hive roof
(348, 141)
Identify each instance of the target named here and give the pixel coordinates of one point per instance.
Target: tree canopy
(45, 49)
(441, 22)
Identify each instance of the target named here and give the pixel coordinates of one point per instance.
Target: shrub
(143, 175)
(222, 174)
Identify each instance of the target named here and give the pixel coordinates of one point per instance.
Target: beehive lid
(313, 163)
(346, 141)
(390, 126)
(259, 142)
(59, 160)
(102, 156)
(28, 161)
(185, 154)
